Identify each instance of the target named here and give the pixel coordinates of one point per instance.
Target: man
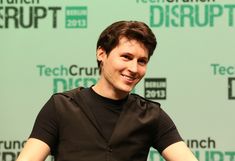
(105, 122)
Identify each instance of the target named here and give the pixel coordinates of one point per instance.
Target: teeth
(128, 77)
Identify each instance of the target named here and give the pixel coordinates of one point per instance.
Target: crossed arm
(36, 150)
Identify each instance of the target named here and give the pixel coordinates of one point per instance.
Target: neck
(108, 92)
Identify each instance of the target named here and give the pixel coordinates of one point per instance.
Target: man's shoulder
(143, 102)
(70, 94)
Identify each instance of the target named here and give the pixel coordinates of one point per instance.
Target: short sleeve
(166, 132)
(46, 125)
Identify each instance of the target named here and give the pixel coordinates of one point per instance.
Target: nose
(133, 66)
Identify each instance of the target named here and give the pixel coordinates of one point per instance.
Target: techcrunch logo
(10, 149)
(31, 14)
(189, 13)
(223, 70)
(159, 1)
(219, 69)
(203, 149)
(68, 77)
(71, 70)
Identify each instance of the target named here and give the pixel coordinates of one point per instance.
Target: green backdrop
(49, 46)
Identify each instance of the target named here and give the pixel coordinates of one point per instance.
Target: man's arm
(34, 150)
(178, 152)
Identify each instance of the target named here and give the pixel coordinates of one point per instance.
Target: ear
(100, 54)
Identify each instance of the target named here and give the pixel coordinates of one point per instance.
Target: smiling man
(105, 122)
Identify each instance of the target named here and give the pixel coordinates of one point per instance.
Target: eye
(126, 57)
(142, 61)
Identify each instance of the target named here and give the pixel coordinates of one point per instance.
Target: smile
(128, 78)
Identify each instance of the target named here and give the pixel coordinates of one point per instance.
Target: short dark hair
(132, 30)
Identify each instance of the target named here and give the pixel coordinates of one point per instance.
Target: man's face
(124, 67)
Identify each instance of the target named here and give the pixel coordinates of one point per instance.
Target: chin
(126, 89)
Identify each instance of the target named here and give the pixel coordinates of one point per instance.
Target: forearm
(178, 152)
(34, 150)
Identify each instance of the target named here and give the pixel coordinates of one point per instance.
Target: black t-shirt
(105, 110)
(81, 124)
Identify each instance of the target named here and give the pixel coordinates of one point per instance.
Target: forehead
(131, 44)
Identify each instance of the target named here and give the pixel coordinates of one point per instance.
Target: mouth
(128, 78)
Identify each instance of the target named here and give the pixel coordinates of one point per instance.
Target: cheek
(142, 71)
(112, 67)
(117, 65)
